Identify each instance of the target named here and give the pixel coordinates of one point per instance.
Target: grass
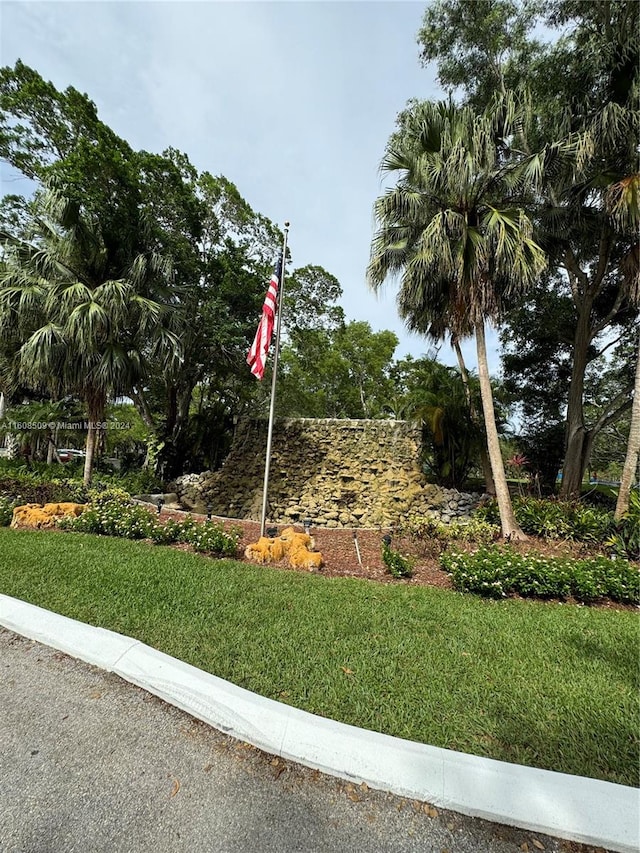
(548, 685)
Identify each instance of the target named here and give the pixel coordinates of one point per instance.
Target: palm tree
(454, 229)
(633, 450)
(87, 324)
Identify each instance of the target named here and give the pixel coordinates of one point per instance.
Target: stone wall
(339, 473)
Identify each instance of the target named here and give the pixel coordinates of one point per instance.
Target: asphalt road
(90, 763)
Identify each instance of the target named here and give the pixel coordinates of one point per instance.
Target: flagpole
(272, 408)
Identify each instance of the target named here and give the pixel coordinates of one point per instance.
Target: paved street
(90, 763)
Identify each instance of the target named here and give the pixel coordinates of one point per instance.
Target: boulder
(37, 516)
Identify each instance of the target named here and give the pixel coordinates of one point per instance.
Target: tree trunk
(140, 402)
(489, 485)
(95, 406)
(575, 458)
(172, 409)
(633, 449)
(89, 449)
(510, 527)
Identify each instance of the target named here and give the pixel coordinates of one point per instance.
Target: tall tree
(220, 249)
(630, 469)
(87, 322)
(455, 231)
(583, 83)
(344, 372)
(481, 47)
(218, 246)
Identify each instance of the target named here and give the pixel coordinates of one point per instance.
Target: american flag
(260, 346)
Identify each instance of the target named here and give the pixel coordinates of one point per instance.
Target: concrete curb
(572, 807)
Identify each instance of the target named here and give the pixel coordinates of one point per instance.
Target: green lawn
(548, 685)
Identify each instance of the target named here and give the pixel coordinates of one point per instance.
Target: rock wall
(339, 473)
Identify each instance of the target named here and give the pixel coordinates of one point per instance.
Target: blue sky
(292, 101)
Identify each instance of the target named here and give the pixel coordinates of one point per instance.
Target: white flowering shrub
(6, 511)
(211, 537)
(112, 513)
(496, 572)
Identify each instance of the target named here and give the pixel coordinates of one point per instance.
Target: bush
(56, 482)
(141, 481)
(424, 531)
(397, 565)
(496, 572)
(168, 533)
(211, 537)
(25, 488)
(553, 519)
(6, 511)
(112, 513)
(625, 538)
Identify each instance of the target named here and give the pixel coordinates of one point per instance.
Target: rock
(37, 516)
(337, 472)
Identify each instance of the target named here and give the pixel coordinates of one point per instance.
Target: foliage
(583, 87)
(112, 513)
(436, 395)
(210, 537)
(555, 519)
(311, 303)
(397, 565)
(56, 482)
(24, 487)
(479, 50)
(496, 572)
(342, 371)
(478, 530)
(86, 316)
(6, 511)
(543, 444)
(126, 436)
(141, 481)
(131, 215)
(624, 541)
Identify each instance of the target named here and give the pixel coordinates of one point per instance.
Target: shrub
(112, 513)
(139, 482)
(397, 565)
(102, 497)
(496, 572)
(625, 538)
(26, 488)
(553, 519)
(211, 537)
(425, 529)
(65, 482)
(6, 511)
(167, 533)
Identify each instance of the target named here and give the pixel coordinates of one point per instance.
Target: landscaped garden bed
(572, 561)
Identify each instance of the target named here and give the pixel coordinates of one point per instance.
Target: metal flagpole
(272, 407)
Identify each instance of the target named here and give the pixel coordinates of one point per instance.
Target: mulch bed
(337, 546)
